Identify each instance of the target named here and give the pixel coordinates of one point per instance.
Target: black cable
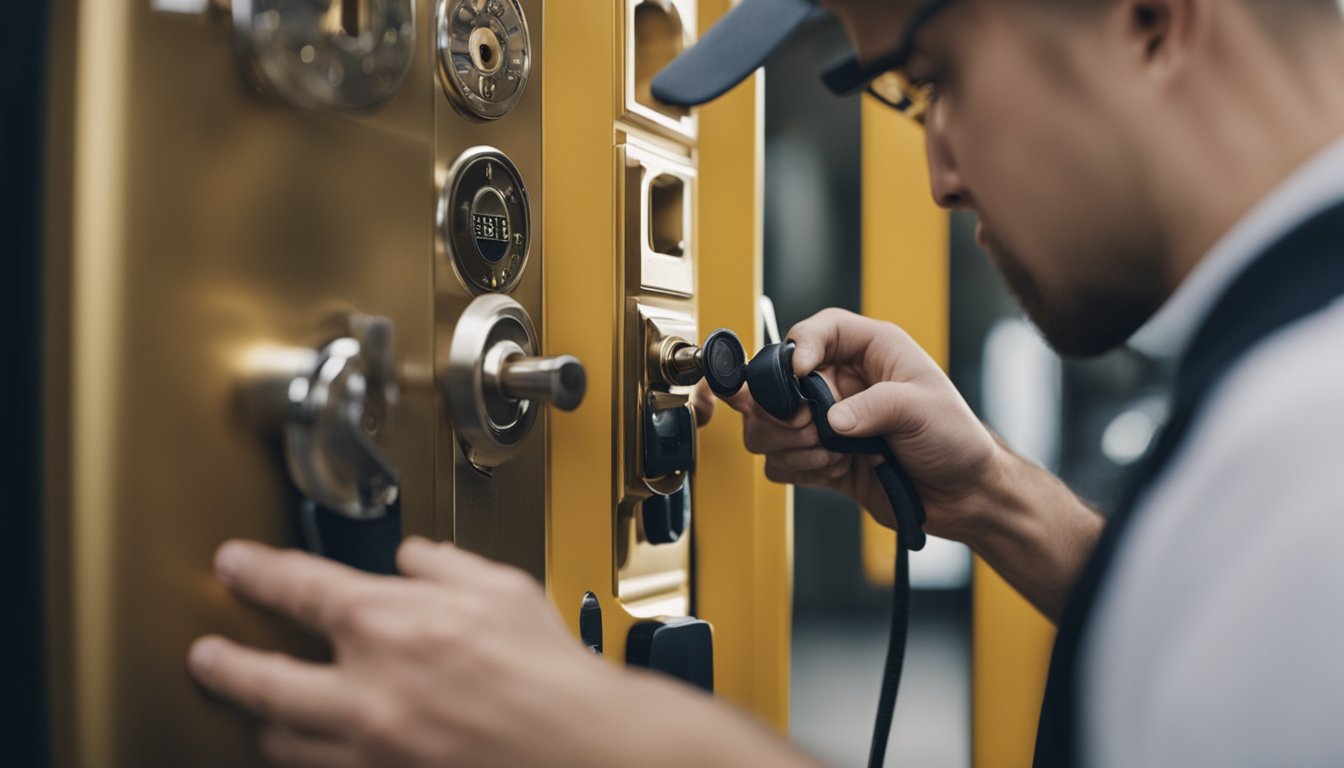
(895, 663)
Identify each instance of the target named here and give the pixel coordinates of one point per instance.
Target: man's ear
(1165, 32)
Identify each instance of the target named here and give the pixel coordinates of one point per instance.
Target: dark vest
(1299, 276)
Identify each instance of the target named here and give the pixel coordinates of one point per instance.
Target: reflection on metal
(332, 405)
(325, 55)
(484, 55)
(494, 385)
(484, 220)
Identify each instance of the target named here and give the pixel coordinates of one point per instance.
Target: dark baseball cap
(731, 50)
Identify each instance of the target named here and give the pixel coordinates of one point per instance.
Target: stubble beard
(1084, 321)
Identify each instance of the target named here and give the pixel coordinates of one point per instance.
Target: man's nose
(948, 187)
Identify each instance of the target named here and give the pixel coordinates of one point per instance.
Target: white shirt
(1218, 636)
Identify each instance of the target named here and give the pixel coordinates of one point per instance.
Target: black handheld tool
(780, 393)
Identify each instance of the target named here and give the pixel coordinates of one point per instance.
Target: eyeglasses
(885, 79)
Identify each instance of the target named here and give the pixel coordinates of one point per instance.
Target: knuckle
(817, 459)
(376, 724)
(515, 584)
(439, 633)
(827, 316)
(355, 618)
(309, 599)
(261, 690)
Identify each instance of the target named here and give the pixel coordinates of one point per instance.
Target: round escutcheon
(483, 220)
(484, 56)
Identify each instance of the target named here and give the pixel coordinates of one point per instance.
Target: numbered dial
(483, 220)
(484, 55)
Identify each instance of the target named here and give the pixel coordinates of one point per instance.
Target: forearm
(668, 724)
(1034, 532)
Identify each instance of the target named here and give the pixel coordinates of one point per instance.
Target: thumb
(882, 409)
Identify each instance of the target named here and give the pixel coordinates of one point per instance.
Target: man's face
(1034, 129)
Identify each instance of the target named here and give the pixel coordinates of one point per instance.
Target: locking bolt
(675, 362)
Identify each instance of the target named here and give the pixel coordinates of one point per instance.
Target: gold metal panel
(651, 579)
(500, 513)
(191, 222)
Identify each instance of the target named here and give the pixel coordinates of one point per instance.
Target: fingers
(765, 435)
(311, 590)
(740, 402)
(702, 400)
(809, 479)
(886, 408)
(837, 337)
(806, 460)
(273, 686)
(420, 558)
(289, 749)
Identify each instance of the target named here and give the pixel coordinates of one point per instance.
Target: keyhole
(487, 51)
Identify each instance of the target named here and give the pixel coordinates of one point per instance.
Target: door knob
(559, 381)
(495, 383)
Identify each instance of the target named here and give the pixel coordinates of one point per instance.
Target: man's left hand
(464, 662)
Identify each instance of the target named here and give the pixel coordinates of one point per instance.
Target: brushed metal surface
(191, 221)
(501, 514)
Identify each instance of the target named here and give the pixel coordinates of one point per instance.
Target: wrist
(1032, 529)
(1004, 504)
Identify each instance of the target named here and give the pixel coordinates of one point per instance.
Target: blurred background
(1085, 420)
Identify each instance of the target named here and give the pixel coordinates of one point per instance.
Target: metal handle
(494, 383)
(560, 381)
(330, 405)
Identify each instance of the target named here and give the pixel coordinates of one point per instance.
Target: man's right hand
(887, 385)
(1030, 527)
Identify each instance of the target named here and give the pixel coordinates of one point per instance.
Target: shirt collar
(1313, 187)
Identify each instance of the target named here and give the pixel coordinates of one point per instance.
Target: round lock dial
(484, 220)
(484, 56)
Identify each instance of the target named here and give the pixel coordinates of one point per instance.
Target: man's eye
(928, 84)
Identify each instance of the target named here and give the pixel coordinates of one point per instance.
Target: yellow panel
(580, 301)
(905, 263)
(1011, 657)
(745, 545)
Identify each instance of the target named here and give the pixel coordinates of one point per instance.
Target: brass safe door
(231, 191)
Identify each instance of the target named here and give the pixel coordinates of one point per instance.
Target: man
(1124, 156)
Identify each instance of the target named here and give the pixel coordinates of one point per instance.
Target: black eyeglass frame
(849, 76)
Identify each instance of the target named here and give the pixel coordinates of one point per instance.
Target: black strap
(1301, 275)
